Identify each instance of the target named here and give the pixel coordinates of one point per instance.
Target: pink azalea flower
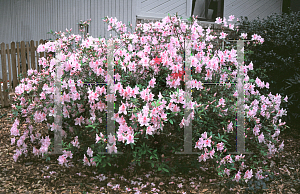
(227, 171)
(237, 177)
(149, 130)
(35, 151)
(86, 160)
(261, 138)
(152, 82)
(258, 176)
(130, 139)
(92, 162)
(111, 149)
(211, 153)
(221, 101)
(231, 26)
(231, 17)
(111, 139)
(250, 66)
(229, 127)
(143, 120)
(244, 35)
(89, 152)
(75, 142)
(281, 146)
(122, 109)
(248, 175)
(254, 37)
(202, 158)
(13, 140)
(68, 154)
(62, 160)
(207, 143)
(97, 138)
(199, 143)
(220, 146)
(204, 135)
(256, 130)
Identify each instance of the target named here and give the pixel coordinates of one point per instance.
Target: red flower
(176, 75)
(157, 60)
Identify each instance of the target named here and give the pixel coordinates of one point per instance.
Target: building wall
(161, 8)
(252, 8)
(24, 20)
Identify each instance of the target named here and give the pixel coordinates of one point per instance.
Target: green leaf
(171, 122)
(166, 170)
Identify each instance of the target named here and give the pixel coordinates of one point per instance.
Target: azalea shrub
(149, 97)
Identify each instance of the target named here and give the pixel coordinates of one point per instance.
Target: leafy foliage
(277, 60)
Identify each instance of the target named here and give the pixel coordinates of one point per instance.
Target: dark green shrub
(278, 57)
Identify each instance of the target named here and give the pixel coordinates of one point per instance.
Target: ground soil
(35, 175)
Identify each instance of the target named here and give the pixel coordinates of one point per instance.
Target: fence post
(111, 92)
(187, 111)
(240, 102)
(57, 103)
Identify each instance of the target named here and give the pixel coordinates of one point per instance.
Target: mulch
(35, 175)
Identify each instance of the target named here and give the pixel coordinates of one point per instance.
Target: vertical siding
(161, 8)
(25, 20)
(5, 19)
(252, 9)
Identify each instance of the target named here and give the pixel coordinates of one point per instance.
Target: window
(208, 10)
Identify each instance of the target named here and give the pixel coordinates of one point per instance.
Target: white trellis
(240, 102)
(187, 127)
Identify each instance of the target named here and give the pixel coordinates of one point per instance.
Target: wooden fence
(18, 58)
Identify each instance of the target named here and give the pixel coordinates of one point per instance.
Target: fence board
(8, 66)
(36, 55)
(32, 50)
(1, 98)
(41, 55)
(12, 74)
(4, 78)
(14, 66)
(23, 59)
(18, 55)
(28, 59)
